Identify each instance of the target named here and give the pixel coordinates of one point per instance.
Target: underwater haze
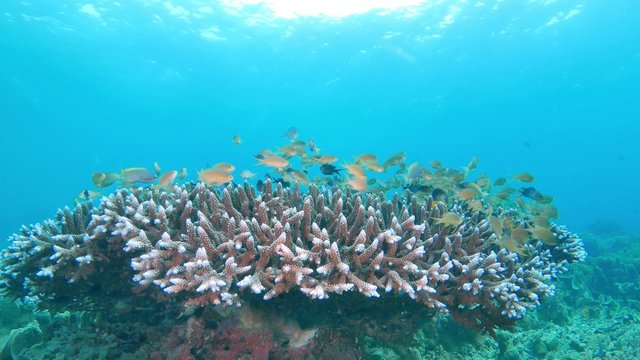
(549, 87)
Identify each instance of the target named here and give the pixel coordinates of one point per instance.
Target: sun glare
(291, 9)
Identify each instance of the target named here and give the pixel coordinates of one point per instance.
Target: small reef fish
(358, 184)
(550, 212)
(476, 205)
(473, 164)
(289, 151)
(104, 179)
(182, 174)
(134, 175)
(214, 177)
(519, 234)
(496, 226)
(274, 161)
(326, 159)
(366, 158)
(524, 177)
(510, 244)
(291, 133)
(225, 167)
(373, 166)
(482, 183)
(541, 221)
(328, 169)
(236, 139)
(355, 170)
(395, 159)
(312, 146)
(300, 176)
(167, 179)
(467, 194)
(156, 168)
(86, 196)
(435, 164)
(543, 234)
(449, 218)
(417, 172)
(264, 154)
(500, 181)
(531, 193)
(246, 174)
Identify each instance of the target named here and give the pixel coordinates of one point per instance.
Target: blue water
(549, 87)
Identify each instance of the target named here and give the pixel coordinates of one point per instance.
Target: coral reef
(194, 245)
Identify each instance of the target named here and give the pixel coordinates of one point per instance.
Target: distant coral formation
(196, 245)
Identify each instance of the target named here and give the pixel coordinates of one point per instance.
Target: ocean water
(550, 87)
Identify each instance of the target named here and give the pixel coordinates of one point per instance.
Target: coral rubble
(195, 245)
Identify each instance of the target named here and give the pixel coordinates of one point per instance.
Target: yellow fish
(550, 212)
(519, 234)
(466, 194)
(301, 177)
(524, 177)
(496, 226)
(513, 246)
(543, 234)
(500, 181)
(395, 159)
(476, 205)
(449, 218)
(436, 164)
(214, 177)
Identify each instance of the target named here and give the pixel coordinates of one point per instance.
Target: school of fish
(297, 160)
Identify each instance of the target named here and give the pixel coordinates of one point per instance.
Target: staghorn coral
(205, 246)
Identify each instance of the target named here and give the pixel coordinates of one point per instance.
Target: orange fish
(373, 166)
(358, 184)
(355, 170)
(167, 179)
(225, 167)
(274, 161)
(214, 177)
(366, 158)
(326, 159)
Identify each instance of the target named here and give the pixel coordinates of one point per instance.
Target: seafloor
(594, 315)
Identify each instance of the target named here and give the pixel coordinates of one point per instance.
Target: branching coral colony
(196, 245)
